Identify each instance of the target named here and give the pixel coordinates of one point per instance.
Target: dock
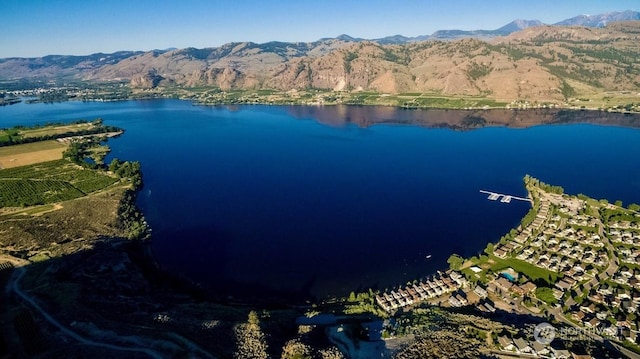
(504, 198)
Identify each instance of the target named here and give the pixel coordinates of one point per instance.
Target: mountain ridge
(599, 20)
(542, 63)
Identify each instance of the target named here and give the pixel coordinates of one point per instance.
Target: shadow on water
(210, 266)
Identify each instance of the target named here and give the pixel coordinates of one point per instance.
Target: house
(461, 299)
(528, 287)
(503, 284)
(383, 303)
(557, 293)
(481, 292)
(566, 283)
(523, 346)
(627, 304)
(540, 349)
(454, 302)
(590, 308)
(489, 307)
(578, 315)
(596, 298)
(561, 354)
(625, 333)
(506, 344)
(592, 323)
(492, 287)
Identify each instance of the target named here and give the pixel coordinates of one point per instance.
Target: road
(14, 285)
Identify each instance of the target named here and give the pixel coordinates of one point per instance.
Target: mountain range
(524, 59)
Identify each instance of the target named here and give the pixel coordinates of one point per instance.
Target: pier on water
(504, 198)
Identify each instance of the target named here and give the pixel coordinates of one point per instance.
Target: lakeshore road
(14, 285)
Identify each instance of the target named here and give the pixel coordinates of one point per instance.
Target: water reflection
(365, 116)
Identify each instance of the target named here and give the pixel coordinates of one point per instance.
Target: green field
(20, 134)
(48, 182)
(546, 295)
(39, 132)
(528, 269)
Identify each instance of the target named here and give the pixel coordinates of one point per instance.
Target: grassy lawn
(546, 295)
(528, 269)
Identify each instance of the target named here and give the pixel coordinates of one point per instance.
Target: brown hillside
(537, 64)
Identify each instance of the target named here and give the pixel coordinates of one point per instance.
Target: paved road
(14, 285)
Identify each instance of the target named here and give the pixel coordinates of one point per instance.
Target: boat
(428, 256)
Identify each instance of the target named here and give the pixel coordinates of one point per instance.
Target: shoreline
(513, 105)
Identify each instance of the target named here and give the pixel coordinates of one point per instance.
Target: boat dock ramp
(504, 198)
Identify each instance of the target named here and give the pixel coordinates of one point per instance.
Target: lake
(300, 202)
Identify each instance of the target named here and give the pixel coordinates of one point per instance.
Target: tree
(75, 152)
(114, 165)
(455, 261)
(253, 318)
(352, 297)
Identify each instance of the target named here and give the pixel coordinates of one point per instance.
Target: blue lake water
(257, 200)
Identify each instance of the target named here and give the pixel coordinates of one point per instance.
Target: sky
(32, 28)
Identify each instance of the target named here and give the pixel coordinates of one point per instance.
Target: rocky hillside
(56, 66)
(537, 64)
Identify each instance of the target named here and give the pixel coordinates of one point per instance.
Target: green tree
(114, 165)
(75, 153)
(489, 249)
(352, 297)
(455, 261)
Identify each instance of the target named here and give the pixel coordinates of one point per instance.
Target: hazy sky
(32, 28)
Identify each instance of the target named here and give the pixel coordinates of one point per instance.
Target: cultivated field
(30, 153)
(49, 182)
(55, 130)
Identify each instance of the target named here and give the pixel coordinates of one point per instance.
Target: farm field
(49, 182)
(19, 135)
(55, 130)
(30, 153)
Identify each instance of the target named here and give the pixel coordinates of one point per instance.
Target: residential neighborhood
(573, 261)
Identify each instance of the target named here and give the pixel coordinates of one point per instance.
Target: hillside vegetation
(540, 64)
